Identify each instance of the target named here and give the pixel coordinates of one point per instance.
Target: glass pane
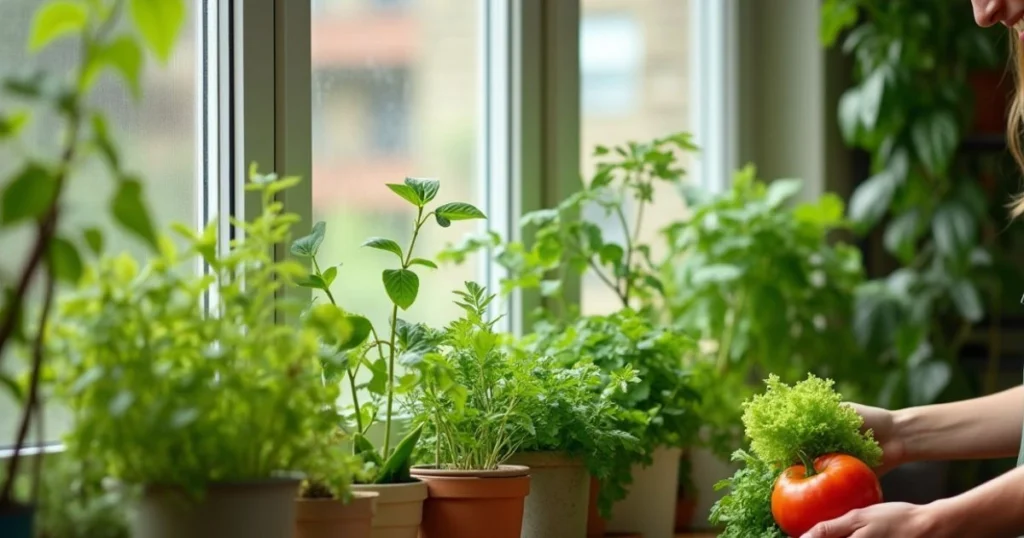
(634, 86)
(395, 94)
(157, 137)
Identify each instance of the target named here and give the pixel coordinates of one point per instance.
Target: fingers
(843, 527)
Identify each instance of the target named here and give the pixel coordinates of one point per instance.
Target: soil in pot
(557, 504)
(16, 521)
(474, 504)
(330, 518)
(264, 508)
(399, 508)
(650, 507)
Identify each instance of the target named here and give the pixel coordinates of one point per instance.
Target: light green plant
(163, 392)
(34, 197)
(382, 355)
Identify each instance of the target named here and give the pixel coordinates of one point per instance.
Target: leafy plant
(34, 195)
(759, 282)
(382, 356)
(746, 512)
(476, 414)
(161, 392)
(910, 109)
(78, 503)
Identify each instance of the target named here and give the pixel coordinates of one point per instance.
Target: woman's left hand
(879, 521)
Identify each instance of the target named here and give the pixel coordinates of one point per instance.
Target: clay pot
(472, 504)
(685, 509)
(330, 518)
(16, 521)
(264, 508)
(596, 524)
(399, 508)
(650, 506)
(559, 495)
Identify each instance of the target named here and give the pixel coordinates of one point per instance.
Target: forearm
(992, 510)
(988, 427)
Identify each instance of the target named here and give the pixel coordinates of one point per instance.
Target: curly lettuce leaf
(746, 512)
(807, 418)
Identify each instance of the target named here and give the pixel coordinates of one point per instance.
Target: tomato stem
(808, 464)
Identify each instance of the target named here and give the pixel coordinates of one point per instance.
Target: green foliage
(403, 345)
(476, 412)
(746, 512)
(808, 418)
(910, 108)
(30, 197)
(77, 503)
(162, 393)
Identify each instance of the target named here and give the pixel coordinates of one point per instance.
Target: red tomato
(840, 483)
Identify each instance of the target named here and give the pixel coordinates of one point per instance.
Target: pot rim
(283, 480)
(547, 459)
(503, 471)
(414, 484)
(356, 496)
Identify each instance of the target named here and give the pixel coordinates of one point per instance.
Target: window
(395, 93)
(159, 139)
(635, 85)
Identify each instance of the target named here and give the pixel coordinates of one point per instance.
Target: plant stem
(327, 288)
(629, 256)
(808, 463)
(355, 399)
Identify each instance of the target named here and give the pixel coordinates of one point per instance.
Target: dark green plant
(34, 196)
(383, 356)
(910, 108)
(163, 393)
(756, 278)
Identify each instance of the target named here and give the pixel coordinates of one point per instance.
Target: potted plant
(686, 502)
(566, 244)
(327, 507)
(213, 413)
(577, 432)
(471, 403)
(382, 353)
(33, 198)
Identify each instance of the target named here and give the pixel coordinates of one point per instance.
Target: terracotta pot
(226, 510)
(650, 506)
(559, 495)
(686, 506)
(596, 524)
(16, 521)
(474, 504)
(399, 508)
(330, 518)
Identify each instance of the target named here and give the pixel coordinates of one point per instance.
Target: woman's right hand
(882, 423)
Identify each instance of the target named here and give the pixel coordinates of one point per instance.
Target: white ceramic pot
(559, 495)
(650, 507)
(399, 508)
(708, 470)
(264, 508)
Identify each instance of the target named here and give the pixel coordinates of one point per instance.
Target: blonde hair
(1015, 125)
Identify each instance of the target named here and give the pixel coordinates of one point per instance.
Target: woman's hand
(880, 521)
(883, 426)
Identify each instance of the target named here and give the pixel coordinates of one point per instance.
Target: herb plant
(384, 352)
(483, 419)
(746, 512)
(162, 392)
(34, 196)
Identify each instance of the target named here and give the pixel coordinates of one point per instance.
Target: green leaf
(927, 381)
(406, 192)
(402, 286)
(388, 245)
(953, 228)
(825, 213)
(902, 234)
(967, 300)
(123, 55)
(28, 195)
(935, 141)
(65, 261)
(716, 273)
(130, 211)
(308, 246)
(423, 262)
(836, 16)
(329, 275)
(396, 467)
(426, 189)
(160, 22)
(94, 239)
(456, 211)
(55, 20)
(872, 92)
(312, 281)
(871, 200)
(361, 329)
(849, 115)
(12, 124)
(781, 190)
(101, 136)
(12, 387)
(611, 254)
(365, 450)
